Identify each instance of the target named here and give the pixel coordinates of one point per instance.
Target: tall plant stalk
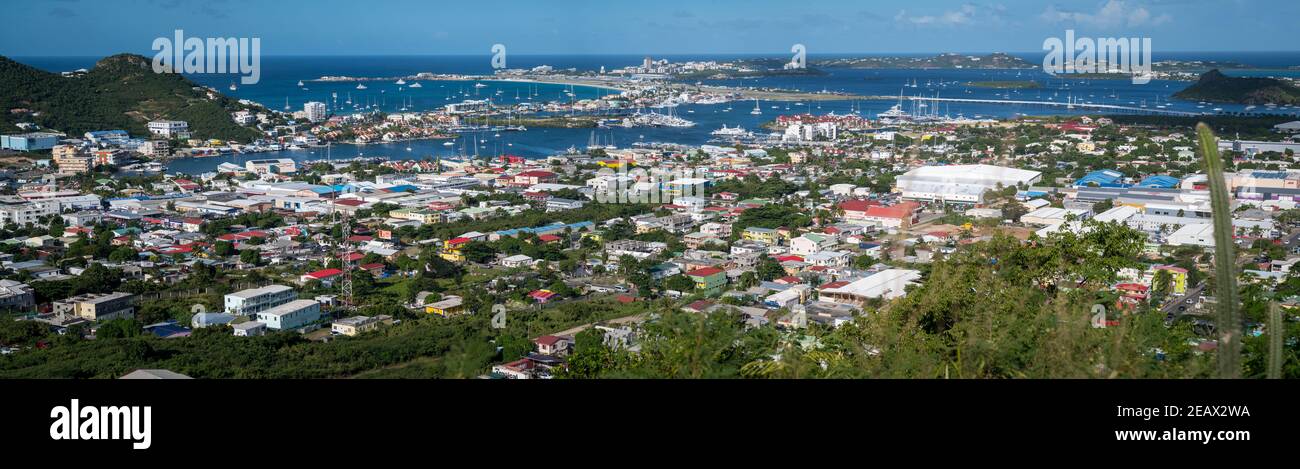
(1228, 322)
(1275, 332)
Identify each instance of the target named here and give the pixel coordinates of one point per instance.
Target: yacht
(300, 83)
(400, 82)
(416, 85)
(730, 131)
(480, 85)
(895, 112)
(361, 86)
(233, 87)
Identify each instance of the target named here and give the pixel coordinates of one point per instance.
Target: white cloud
(963, 15)
(1113, 14)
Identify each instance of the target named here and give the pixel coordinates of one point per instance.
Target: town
(828, 220)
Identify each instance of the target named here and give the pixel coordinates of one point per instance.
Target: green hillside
(120, 92)
(1214, 86)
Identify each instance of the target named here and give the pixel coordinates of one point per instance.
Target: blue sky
(326, 27)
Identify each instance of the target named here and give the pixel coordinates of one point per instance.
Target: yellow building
(762, 235)
(416, 214)
(451, 250)
(450, 305)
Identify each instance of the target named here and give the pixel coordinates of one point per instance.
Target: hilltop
(1214, 86)
(120, 92)
(999, 61)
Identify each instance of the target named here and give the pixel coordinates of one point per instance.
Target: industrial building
(962, 184)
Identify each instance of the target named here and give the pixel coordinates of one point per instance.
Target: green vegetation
(998, 309)
(1214, 86)
(121, 92)
(1228, 322)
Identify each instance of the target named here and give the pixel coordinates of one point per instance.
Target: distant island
(1214, 86)
(1007, 85)
(120, 92)
(998, 60)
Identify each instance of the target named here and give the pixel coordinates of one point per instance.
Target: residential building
(315, 111)
(170, 129)
(19, 211)
(708, 280)
(551, 345)
(255, 300)
(292, 315)
(98, 306)
(358, 324)
(450, 305)
(16, 296)
(886, 284)
(249, 329)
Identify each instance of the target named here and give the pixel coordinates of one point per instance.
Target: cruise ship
(730, 131)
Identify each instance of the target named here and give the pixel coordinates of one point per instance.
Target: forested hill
(120, 92)
(1214, 86)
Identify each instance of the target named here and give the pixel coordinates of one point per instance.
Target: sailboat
(361, 86)
(757, 110)
(286, 103)
(300, 83)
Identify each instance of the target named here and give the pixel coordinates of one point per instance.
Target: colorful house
(762, 235)
(709, 279)
(451, 250)
(450, 305)
(1177, 277)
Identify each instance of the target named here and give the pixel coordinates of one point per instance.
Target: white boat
(480, 85)
(233, 87)
(416, 85)
(449, 144)
(361, 86)
(400, 82)
(730, 131)
(757, 110)
(300, 83)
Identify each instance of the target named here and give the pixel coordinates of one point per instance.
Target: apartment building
(255, 300)
(291, 315)
(98, 306)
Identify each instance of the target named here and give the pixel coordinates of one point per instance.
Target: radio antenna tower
(342, 250)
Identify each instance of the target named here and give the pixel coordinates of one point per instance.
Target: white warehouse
(960, 183)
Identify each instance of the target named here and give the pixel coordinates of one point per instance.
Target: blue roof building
(1101, 178)
(1159, 181)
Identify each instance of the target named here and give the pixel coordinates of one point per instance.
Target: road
(614, 322)
(1172, 307)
